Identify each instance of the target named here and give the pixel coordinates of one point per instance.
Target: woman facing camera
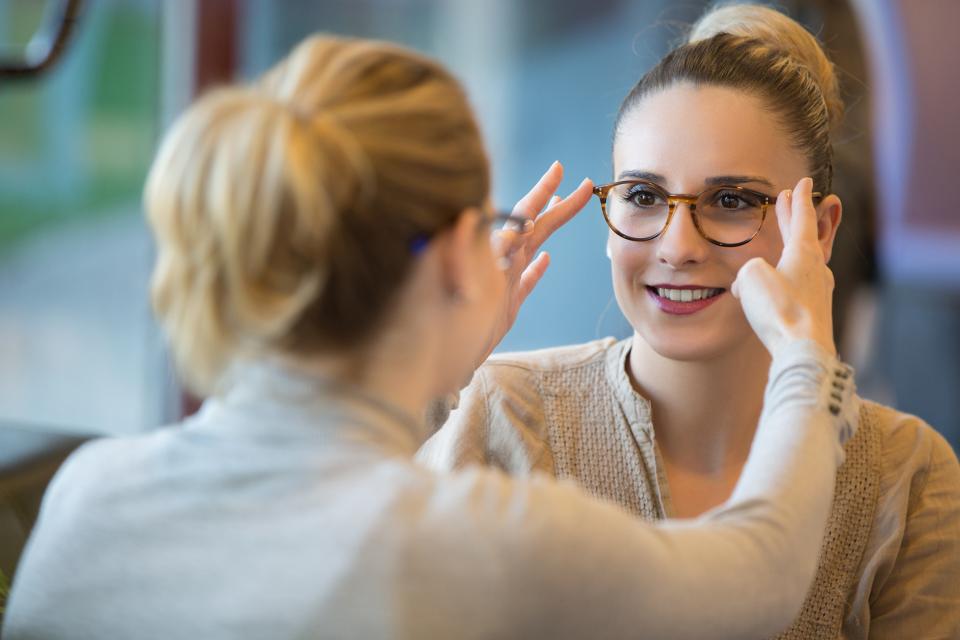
(324, 269)
(661, 423)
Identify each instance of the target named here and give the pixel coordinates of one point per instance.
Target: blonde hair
(285, 211)
(760, 50)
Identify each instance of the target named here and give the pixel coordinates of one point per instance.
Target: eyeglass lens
(726, 215)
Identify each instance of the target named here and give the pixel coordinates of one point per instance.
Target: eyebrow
(641, 175)
(718, 180)
(710, 182)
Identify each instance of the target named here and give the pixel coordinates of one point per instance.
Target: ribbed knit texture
(621, 466)
(854, 503)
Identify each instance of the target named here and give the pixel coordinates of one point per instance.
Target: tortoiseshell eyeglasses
(725, 215)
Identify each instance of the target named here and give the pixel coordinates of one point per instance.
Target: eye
(735, 200)
(642, 196)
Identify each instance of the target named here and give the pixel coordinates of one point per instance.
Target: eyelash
(637, 190)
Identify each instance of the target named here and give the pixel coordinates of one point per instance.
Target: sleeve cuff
(830, 380)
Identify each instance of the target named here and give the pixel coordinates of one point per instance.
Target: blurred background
(79, 353)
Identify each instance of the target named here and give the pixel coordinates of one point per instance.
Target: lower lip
(681, 308)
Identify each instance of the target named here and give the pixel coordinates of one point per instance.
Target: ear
(457, 247)
(829, 213)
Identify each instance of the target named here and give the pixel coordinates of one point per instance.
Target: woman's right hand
(525, 267)
(794, 300)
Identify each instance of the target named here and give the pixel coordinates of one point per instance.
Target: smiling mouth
(686, 294)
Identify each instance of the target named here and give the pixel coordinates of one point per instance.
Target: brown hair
(759, 50)
(284, 211)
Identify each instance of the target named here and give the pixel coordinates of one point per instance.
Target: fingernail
(788, 194)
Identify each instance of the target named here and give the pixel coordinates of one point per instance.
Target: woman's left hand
(549, 212)
(794, 299)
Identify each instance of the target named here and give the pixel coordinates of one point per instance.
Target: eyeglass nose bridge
(691, 202)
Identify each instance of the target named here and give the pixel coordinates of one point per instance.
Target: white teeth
(686, 295)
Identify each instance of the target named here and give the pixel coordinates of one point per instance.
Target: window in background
(78, 351)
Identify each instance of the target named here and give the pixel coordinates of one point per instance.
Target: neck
(392, 368)
(706, 411)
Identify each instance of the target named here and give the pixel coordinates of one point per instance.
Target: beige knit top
(890, 562)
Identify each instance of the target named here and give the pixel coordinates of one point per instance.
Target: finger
(537, 198)
(758, 277)
(784, 209)
(531, 276)
(760, 289)
(750, 273)
(765, 300)
(803, 223)
(561, 213)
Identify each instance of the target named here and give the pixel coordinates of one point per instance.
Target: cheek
(767, 245)
(496, 283)
(499, 287)
(627, 259)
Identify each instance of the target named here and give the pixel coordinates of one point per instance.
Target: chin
(699, 349)
(452, 377)
(457, 363)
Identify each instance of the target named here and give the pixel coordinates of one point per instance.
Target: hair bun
(284, 209)
(777, 31)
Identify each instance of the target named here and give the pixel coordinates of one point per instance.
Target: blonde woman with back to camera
(325, 268)
(662, 423)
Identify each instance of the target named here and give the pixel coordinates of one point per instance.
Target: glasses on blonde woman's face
(498, 222)
(725, 215)
(503, 221)
(507, 228)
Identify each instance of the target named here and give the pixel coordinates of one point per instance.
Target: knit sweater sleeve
(497, 421)
(581, 568)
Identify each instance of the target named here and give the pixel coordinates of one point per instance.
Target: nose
(681, 244)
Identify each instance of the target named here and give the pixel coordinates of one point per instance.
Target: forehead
(687, 134)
